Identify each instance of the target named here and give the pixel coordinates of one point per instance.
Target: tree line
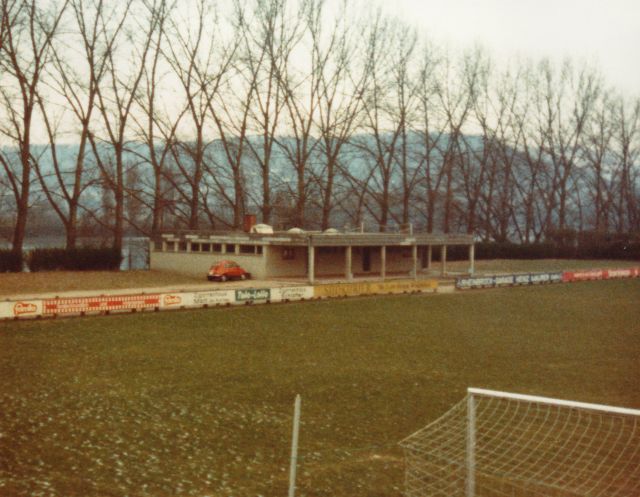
(191, 114)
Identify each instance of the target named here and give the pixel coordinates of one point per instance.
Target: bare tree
(63, 180)
(269, 35)
(627, 164)
(495, 111)
(383, 129)
(429, 131)
(200, 61)
(567, 98)
(343, 74)
(510, 106)
(596, 152)
(456, 103)
(27, 35)
(404, 109)
(116, 94)
(158, 124)
(230, 110)
(6, 7)
(301, 88)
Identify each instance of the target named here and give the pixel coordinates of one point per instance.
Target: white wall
(272, 264)
(276, 266)
(198, 264)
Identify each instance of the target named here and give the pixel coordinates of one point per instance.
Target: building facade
(309, 255)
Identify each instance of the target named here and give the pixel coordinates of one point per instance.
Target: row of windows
(404, 251)
(215, 248)
(287, 252)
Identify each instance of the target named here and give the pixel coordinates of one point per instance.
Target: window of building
(171, 246)
(259, 249)
(182, 247)
(216, 247)
(195, 247)
(247, 249)
(205, 247)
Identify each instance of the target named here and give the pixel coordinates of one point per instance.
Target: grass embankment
(199, 403)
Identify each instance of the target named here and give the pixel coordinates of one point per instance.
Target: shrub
(80, 259)
(10, 261)
(598, 245)
(566, 245)
(501, 250)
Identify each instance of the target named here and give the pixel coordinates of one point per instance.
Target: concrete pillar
(176, 246)
(414, 257)
(223, 248)
(312, 263)
(472, 258)
(348, 273)
(383, 262)
(429, 256)
(164, 245)
(443, 260)
(188, 246)
(236, 248)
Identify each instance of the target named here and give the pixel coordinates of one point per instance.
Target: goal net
(501, 444)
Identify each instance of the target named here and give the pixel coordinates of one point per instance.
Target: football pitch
(200, 403)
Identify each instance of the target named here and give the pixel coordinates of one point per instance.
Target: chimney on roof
(249, 222)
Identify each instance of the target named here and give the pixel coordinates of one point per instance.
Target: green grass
(199, 403)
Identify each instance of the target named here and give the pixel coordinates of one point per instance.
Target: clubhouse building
(309, 255)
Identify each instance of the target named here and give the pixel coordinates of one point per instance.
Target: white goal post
(504, 444)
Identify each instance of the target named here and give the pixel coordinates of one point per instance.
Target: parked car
(227, 270)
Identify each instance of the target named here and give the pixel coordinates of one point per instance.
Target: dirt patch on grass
(67, 281)
(25, 284)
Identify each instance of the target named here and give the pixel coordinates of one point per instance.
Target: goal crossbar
(555, 402)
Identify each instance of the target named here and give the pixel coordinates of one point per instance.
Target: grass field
(199, 403)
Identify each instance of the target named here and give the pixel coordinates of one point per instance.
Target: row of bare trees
(156, 114)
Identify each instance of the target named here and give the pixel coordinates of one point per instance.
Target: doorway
(366, 259)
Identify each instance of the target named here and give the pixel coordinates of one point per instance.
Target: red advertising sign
(24, 309)
(103, 303)
(600, 274)
(591, 274)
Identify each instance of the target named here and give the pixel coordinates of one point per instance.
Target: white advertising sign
(20, 309)
(196, 299)
(291, 293)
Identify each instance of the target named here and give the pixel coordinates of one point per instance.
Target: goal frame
(473, 393)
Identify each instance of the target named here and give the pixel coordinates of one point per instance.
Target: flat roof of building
(317, 238)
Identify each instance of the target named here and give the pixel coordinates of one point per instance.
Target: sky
(601, 32)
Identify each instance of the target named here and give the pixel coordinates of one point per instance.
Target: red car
(227, 270)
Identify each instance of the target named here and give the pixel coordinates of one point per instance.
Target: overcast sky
(606, 32)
